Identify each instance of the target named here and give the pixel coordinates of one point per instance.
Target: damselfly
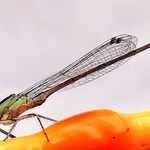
(94, 64)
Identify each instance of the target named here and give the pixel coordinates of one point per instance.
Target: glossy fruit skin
(102, 129)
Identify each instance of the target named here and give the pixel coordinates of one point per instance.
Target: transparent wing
(111, 49)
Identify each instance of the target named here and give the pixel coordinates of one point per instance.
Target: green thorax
(15, 104)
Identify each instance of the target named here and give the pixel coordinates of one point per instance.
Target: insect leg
(16, 120)
(6, 133)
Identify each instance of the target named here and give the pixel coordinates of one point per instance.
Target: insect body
(94, 64)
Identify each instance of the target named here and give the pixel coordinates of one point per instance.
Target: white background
(39, 38)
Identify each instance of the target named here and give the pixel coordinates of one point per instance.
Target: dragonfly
(101, 60)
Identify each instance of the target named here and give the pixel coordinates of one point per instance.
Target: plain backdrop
(39, 38)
